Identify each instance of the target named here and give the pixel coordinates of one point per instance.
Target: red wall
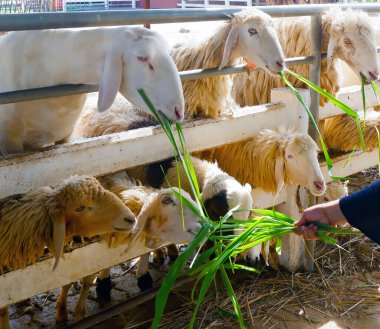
(156, 4)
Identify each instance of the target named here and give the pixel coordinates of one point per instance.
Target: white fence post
(293, 248)
(249, 3)
(133, 3)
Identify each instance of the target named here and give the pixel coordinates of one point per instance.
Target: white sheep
(271, 158)
(118, 59)
(249, 33)
(51, 216)
(347, 35)
(341, 134)
(159, 222)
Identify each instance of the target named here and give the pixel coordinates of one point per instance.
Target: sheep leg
(61, 314)
(173, 252)
(158, 257)
(80, 307)
(4, 318)
(103, 286)
(144, 279)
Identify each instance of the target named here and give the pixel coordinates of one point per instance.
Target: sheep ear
(59, 235)
(230, 44)
(111, 80)
(330, 52)
(279, 172)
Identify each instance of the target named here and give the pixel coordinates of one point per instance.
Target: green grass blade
(333, 100)
(174, 272)
(322, 142)
(232, 296)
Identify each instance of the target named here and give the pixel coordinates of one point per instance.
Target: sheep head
(297, 162)
(81, 206)
(160, 221)
(139, 59)
(222, 193)
(253, 36)
(352, 39)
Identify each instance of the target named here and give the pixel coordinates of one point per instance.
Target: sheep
(271, 158)
(248, 33)
(347, 35)
(220, 192)
(49, 216)
(341, 133)
(159, 222)
(121, 59)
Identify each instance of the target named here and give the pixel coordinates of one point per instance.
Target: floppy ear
(111, 80)
(279, 172)
(59, 235)
(230, 44)
(331, 51)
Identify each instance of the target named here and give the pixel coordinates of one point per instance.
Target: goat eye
(167, 200)
(290, 156)
(347, 41)
(80, 209)
(252, 31)
(151, 67)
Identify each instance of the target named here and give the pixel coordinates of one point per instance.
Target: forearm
(362, 211)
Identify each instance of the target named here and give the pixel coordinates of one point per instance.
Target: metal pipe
(37, 21)
(45, 92)
(70, 89)
(124, 306)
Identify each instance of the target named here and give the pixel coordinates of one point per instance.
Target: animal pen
(106, 154)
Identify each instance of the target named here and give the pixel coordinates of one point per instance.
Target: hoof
(103, 289)
(145, 282)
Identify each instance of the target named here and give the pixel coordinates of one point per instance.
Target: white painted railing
(217, 3)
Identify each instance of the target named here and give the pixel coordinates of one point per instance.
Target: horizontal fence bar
(68, 89)
(38, 21)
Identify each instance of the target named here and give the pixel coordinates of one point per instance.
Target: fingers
(308, 232)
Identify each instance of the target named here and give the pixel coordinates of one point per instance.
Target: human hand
(311, 215)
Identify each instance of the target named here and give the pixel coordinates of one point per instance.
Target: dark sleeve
(362, 208)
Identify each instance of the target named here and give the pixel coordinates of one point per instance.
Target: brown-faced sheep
(159, 222)
(347, 35)
(271, 158)
(51, 216)
(341, 133)
(249, 33)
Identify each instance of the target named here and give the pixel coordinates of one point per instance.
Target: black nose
(374, 74)
(281, 64)
(178, 113)
(130, 220)
(319, 185)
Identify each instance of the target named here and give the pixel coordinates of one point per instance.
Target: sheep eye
(151, 67)
(167, 200)
(142, 58)
(290, 156)
(348, 42)
(252, 31)
(80, 209)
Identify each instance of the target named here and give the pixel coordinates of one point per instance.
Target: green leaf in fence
(300, 99)
(333, 100)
